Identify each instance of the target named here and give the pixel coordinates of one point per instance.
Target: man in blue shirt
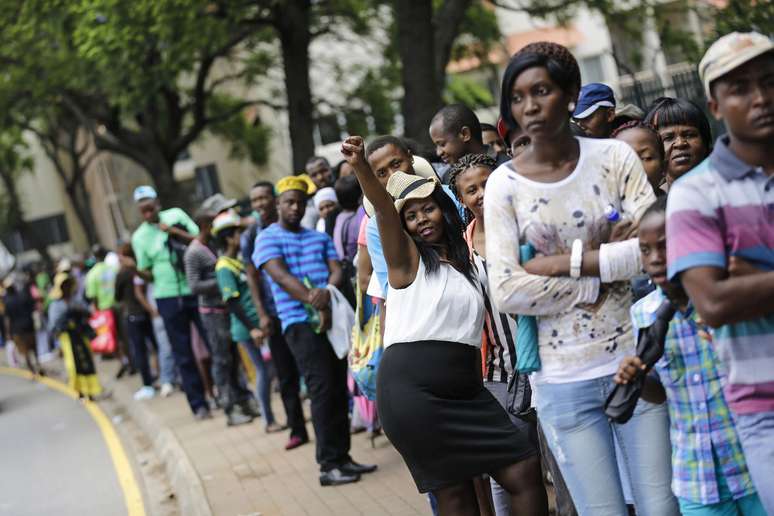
(264, 203)
(300, 264)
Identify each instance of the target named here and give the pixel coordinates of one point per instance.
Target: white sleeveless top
(443, 306)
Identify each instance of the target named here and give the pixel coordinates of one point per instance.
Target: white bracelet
(576, 258)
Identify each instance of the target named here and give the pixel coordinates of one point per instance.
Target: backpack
(348, 269)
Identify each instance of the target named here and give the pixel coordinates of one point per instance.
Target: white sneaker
(166, 390)
(145, 393)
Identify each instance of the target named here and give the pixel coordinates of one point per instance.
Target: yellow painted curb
(132, 495)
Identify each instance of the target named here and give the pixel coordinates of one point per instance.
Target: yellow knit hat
(292, 183)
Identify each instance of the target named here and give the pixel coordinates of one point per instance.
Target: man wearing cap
(159, 244)
(595, 110)
(720, 241)
(300, 264)
(200, 258)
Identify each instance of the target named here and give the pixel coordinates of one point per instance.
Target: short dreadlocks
(465, 163)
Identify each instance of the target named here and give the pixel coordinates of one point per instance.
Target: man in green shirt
(159, 244)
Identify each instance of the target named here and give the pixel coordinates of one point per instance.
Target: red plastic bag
(103, 323)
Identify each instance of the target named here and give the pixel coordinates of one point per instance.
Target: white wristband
(619, 261)
(576, 258)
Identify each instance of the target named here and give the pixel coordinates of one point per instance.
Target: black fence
(685, 84)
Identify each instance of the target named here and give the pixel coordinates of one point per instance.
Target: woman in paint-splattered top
(561, 189)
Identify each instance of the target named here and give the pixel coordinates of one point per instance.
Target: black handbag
(519, 402)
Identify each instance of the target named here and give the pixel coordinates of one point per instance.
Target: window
(591, 69)
(207, 183)
(45, 231)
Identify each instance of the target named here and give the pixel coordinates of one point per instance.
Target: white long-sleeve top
(583, 328)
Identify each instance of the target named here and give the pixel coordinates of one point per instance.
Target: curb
(191, 497)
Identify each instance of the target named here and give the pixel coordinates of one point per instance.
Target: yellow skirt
(83, 384)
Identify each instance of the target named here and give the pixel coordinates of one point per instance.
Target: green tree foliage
(144, 77)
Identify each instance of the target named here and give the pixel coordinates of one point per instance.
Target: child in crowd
(245, 325)
(685, 133)
(710, 475)
(646, 142)
(69, 321)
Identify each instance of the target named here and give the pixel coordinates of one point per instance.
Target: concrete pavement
(53, 454)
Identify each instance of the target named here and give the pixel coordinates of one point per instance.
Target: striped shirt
(725, 207)
(305, 253)
(498, 343)
(700, 420)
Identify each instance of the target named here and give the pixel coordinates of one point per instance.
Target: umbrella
(619, 406)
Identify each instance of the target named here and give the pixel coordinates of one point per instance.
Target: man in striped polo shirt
(720, 239)
(300, 263)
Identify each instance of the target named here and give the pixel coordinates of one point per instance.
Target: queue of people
(569, 251)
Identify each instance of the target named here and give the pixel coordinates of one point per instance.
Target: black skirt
(436, 412)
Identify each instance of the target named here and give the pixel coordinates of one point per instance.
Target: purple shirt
(346, 231)
(725, 207)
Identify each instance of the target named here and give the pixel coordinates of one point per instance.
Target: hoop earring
(571, 107)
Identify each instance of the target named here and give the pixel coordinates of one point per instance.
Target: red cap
(502, 129)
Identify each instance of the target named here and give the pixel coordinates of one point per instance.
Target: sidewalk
(244, 471)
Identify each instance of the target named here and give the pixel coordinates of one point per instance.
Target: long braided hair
(465, 163)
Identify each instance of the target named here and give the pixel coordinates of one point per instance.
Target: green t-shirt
(150, 247)
(101, 285)
(232, 282)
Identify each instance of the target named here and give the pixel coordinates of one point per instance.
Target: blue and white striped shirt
(305, 253)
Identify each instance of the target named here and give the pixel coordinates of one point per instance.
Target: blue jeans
(167, 371)
(582, 440)
(262, 380)
(179, 313)
(756, 432)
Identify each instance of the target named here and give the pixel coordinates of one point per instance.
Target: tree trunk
(416, 46)
(292, 23)
(16, 217)
(446, 24)
(81, 203)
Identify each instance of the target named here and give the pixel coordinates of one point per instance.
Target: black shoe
(337, 477)
(121, 372)
(353, 468)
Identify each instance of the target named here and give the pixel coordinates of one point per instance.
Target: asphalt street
(53, 457)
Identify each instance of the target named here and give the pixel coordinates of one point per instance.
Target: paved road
(53, 459)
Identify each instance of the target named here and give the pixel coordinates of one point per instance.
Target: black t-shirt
(125, 293)
(19, 308)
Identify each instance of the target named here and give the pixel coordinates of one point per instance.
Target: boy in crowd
(710, 474)
(456, 131)
(595, 110)
(719, 216)
(492, 139)
(300, 264)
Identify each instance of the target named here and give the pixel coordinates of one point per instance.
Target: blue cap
(144, 192)
(592, 97)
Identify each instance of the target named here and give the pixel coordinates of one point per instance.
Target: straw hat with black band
(404, 186)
